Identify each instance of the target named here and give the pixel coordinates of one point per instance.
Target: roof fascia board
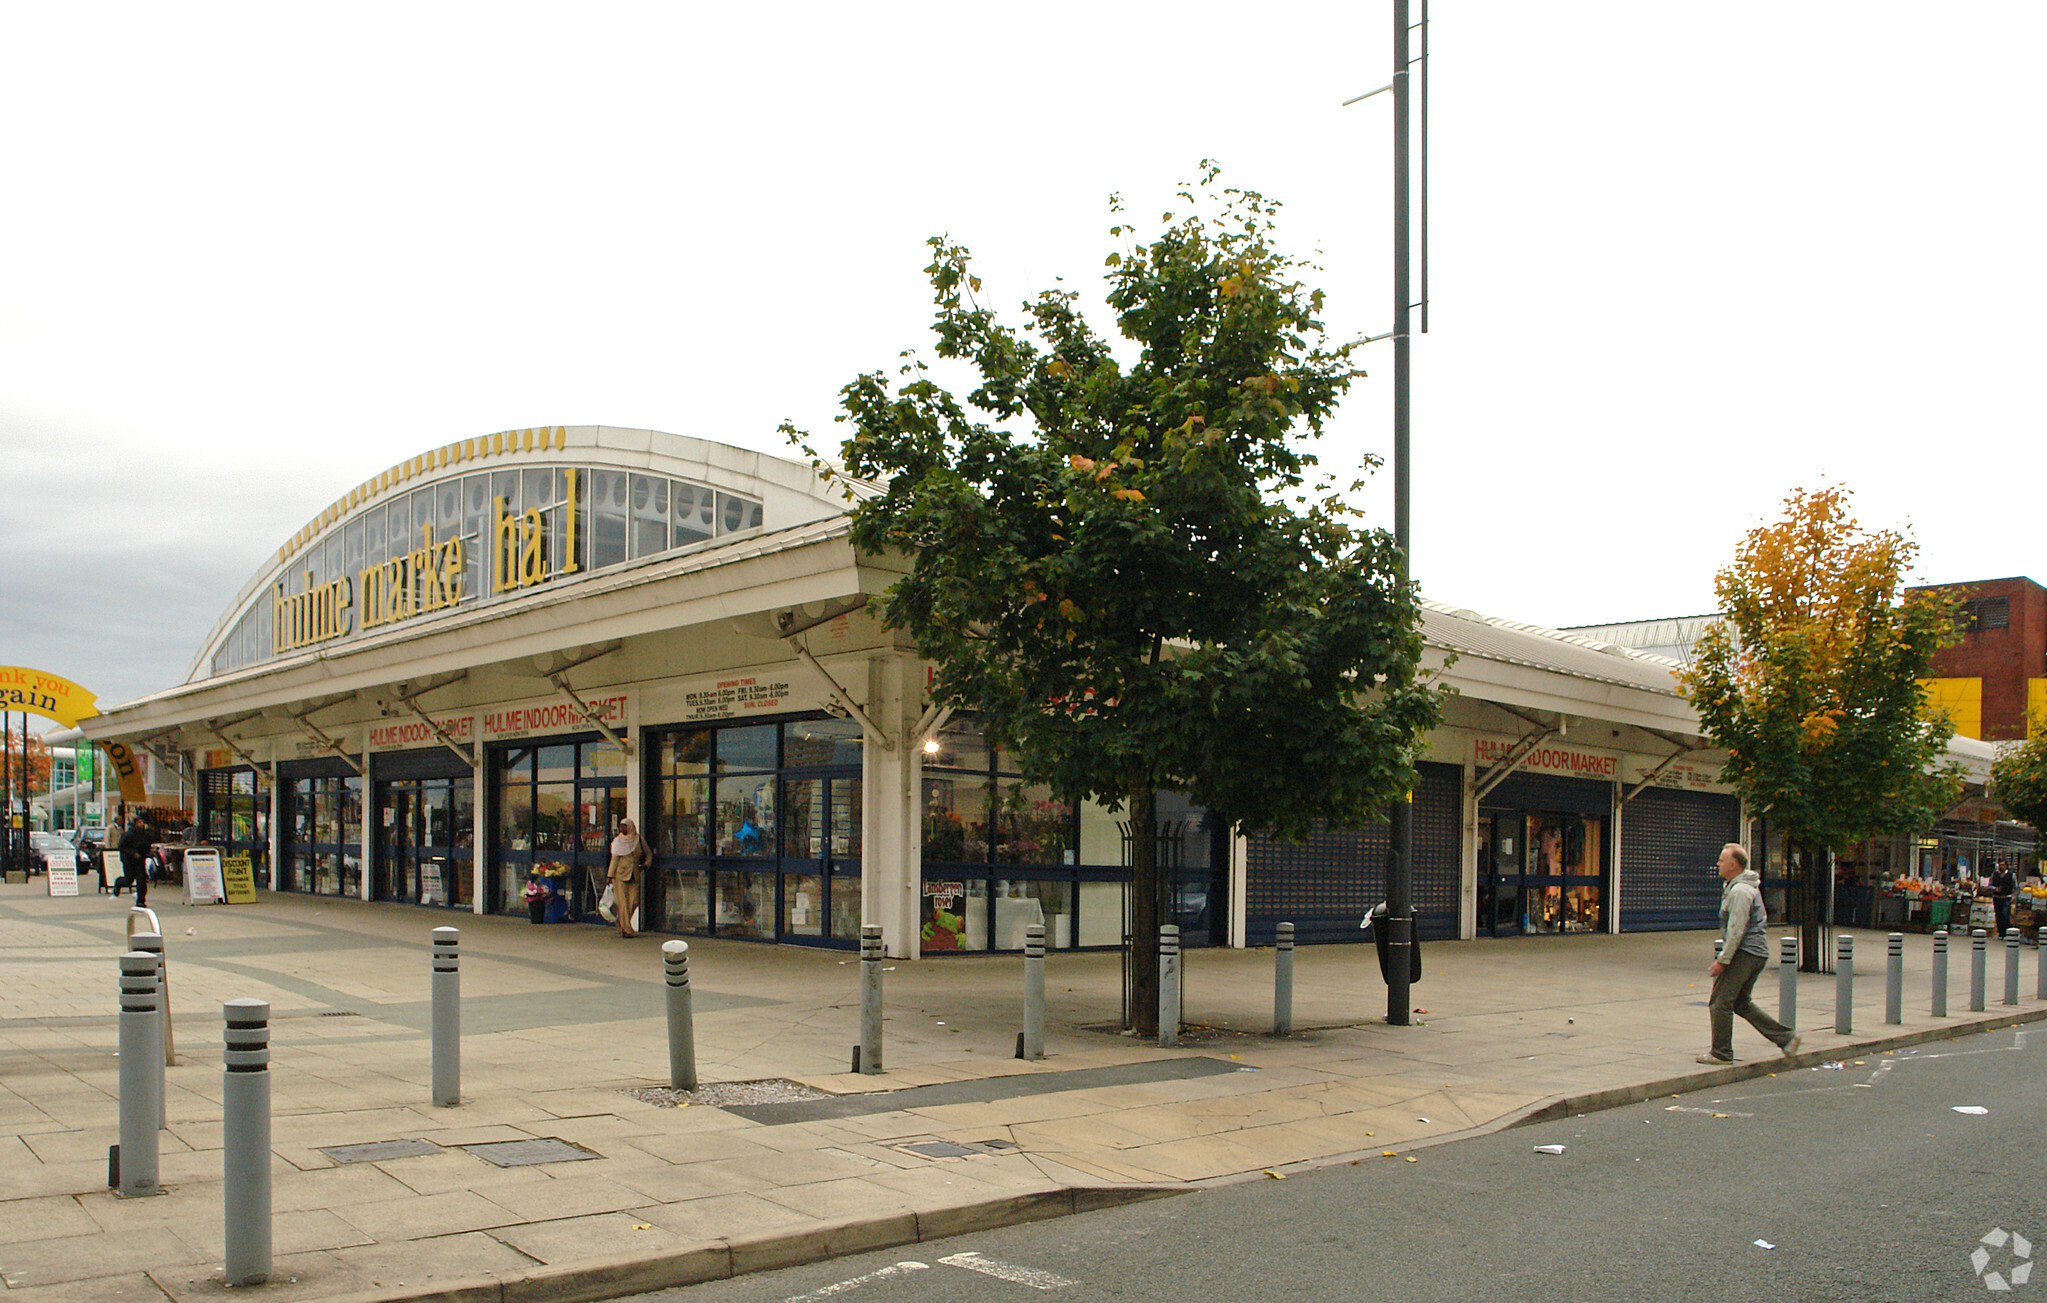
(765, 583)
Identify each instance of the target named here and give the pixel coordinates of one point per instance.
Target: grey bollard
(152, 944)
(870, 998)
(1844, 984)
(1169, 985)
(447, 1017)
(1787, 981)
(141, 1074)
(2011, 966)
(682, 1028)
(1034, 993)
(1894, 981)
(245, 1140)
(1940, 974)
(1283, 982)
(1978, 959)
(2040, 954)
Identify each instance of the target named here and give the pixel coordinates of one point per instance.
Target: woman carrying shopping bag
(628, 855)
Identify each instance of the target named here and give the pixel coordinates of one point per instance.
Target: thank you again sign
(40, 692)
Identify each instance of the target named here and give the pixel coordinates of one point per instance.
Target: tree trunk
(1146, 893)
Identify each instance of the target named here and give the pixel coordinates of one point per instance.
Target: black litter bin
(1376, 921)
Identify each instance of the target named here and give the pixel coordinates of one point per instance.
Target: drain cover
(527, 1153)
(380, 1150)
(941, 1149)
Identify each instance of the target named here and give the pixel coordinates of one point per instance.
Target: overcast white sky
(1684, 260)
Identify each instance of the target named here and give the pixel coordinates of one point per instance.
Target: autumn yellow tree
(1811, 682)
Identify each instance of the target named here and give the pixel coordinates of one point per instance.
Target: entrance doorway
(422, 841)
(1541, 872)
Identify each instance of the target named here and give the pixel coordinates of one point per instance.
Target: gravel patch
(718, 1094)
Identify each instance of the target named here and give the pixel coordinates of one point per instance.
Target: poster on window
(945, 922)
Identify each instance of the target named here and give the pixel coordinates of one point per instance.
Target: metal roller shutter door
(1669, 843)
(1324, 886)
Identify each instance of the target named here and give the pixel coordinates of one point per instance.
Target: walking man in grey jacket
(1744, 953)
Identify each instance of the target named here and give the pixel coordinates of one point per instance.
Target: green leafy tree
(1811, 684)
(2018, 778)
(1118, 562)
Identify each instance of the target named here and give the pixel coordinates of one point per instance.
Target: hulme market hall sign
(425, 580)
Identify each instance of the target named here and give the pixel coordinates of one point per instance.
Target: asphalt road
(1855, 1182)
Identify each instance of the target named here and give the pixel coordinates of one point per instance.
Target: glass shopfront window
(999, 853)
(422, 841)
(756, 831)
(234, 814)
(1541, 872)
(322, 842)
(558, 805)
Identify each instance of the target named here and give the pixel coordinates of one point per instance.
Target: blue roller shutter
(1324, 886)
(1669, 844)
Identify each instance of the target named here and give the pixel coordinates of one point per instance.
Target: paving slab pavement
(565, 1039)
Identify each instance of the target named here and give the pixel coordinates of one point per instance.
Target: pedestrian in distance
(134, 850)
(1744, 953)
(2002, 884)
(628, 855)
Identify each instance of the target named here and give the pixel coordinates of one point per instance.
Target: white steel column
(1613, 903)
(366, 863)
(1240, 889)
(1467, 876)
(479, 843)
(893, 831)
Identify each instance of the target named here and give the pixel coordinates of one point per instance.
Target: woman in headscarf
(628, 854)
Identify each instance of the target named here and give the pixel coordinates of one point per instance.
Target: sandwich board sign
(202, 877)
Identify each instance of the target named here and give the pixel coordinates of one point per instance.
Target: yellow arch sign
(41, 693)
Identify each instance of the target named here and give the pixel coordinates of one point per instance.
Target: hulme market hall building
(459, 677)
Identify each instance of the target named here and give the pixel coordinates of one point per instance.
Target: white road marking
(886, 1273)
(1008, 1271)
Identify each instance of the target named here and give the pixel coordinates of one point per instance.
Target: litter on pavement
(1975, 1110)
(1549, 1149)
(1764, 1244)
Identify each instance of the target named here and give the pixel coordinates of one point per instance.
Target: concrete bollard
(245, 1140)
(1978, 959)
(2040, 954)
(141, 1074)
(682, 1029)
(1940, 974)
(869, 1052)
(1894, 981)
(447, 1017)
(151, 943)
(1283, 981)
(2011, 966)
(1844, 984)
(1787, 981)
(1034, 993)
(1169, 985)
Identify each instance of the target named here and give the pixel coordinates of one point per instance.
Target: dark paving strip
(981, 1092)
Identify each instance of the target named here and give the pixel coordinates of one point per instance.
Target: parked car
(44, 847)
(88, 854)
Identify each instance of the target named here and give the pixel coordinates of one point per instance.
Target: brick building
(1995, 679)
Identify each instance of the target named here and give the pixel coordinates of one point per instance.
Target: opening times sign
(734, 696)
